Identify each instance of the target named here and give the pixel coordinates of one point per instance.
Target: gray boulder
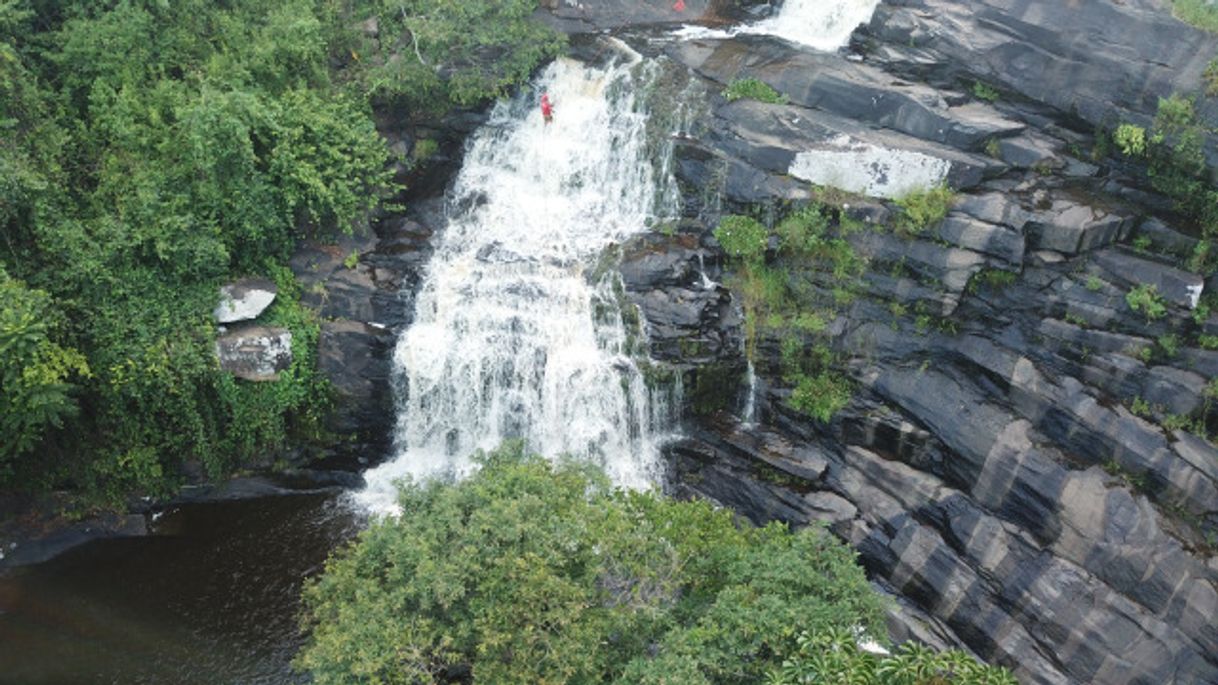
(244, 300)
(255, 353)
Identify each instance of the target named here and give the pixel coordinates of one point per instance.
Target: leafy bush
(821, 395)
(834, 657)
(923, 208)
(530, 572)
(742, 237)
(1199, 13)
(753, 89)
(802, 231)
(36, 373)
(985, 92)
(1145, 299)
(1130, 139)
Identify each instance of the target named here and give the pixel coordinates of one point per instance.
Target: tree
(532, 572)
(36, 374)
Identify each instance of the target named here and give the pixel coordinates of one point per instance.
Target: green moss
(742, 237)
(1130, 139)
(820, 396)
(715, 388)
(984, 92)
(1199, 13)
(1146, 300)
(922, 209)
(753, 89)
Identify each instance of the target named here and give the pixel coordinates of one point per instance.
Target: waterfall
(749, 415)
(820, 24)
(517, 333)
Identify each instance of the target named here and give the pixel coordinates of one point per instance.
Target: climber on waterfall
(547, 108)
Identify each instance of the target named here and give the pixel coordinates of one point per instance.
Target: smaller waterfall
(749, 415)
(820, 24)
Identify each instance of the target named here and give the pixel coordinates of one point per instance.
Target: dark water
(211, 597)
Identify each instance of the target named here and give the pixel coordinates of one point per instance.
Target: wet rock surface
(363, 288)
(255, 353)
(1023, 461)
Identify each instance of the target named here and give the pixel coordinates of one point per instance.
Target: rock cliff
(1022, 461)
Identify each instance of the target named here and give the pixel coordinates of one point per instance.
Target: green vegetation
(822, 395)
(150, 150)
(1094, 283)
(985, 92)
(922, 209)
(834, 656)
(753, 89)
(780, 299)
(1146, 300)
(742, 237)
(1199, 13)
(1210, 77)
(529, 572)
(1130, 139)
(993, 279)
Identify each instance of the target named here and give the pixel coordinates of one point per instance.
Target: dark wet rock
(1071, 227)
(24, 546)
(966, 232)
(689, 319)
(255, 353)
(948, 266)
(1180, 288)
(355, 358)
(853, 90)
(1130, 56)
(1165, 239)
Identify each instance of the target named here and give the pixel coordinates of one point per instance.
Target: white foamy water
(820, 24)
(514, 335)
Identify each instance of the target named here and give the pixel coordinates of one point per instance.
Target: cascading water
(819, 24)
(514, 334)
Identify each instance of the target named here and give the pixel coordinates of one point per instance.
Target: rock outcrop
(363, 288)
(255, 353)
(1024, 461)
(244, 300)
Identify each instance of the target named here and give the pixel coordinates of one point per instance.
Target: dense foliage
(834, 657)
(782, 300)
(150, 149)
(529, 572)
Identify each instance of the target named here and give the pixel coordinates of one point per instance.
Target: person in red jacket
(547, 108)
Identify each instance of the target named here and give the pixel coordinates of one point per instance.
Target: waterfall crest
(517, 334)
(820, 24)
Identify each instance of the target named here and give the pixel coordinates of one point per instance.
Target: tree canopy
(150, 149)
(533, 572)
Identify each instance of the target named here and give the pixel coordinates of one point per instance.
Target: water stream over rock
(517, 333)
